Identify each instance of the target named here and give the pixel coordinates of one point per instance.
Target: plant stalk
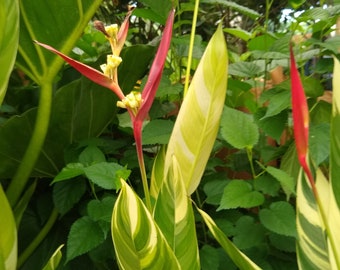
(191, 47)
(38, 239)
(19, 181)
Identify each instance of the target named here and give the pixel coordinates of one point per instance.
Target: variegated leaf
(311, 243)
(157, 173)
(239, 258)
(197, 123)
(8, 235)
(174, 216)
(138, 242)
(54, 261)
(335, 131)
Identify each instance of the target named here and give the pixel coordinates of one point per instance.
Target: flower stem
(144, 177)
(191, 47)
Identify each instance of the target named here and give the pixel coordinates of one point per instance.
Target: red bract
(300, 117)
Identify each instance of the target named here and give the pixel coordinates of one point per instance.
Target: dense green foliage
(69, 188)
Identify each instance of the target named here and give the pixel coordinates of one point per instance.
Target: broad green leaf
(284, 243)
(175, 218)
(70, 171)
(214, 191)
(91, 155)
(9, 29)
(279, 101)
(54, 261)
(335, 130)
(157, 132)
(242, 9)
(279, 218)
(61, 32)
(238, 129)
(138, 241)
(106, 174)
(244, 69)
(136, 60)
(248, 233)
(101, 210)
(296, 3)
(157, 173)
(161, 8)
(85, 234)
(311, 243)
(239, 193)
(319, 142)
(261, 43)
(197, 123)
(287, 182)
(80, 110)
(239, 258)
(8, 235)
(267, 185)
(67, 193)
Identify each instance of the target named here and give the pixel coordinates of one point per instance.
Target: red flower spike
(123, 31)
(89, 72)
(300, 117)
(154, 78)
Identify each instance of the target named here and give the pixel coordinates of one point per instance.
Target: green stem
(31, 155)
(38, 239)
(144, 180)
(250, 159)
(191, 47)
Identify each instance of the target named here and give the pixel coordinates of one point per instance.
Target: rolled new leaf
(198, 121)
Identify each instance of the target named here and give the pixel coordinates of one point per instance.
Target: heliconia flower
(300, 117)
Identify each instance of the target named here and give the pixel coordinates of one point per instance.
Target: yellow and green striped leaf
(138, 241)
(54, 261)
(239, 258)
(174, 216)
(8, 235)
(197, 123)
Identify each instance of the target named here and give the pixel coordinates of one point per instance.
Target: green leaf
(137, 239)
(91, 155)
(67, 194)
(279, 100)
(279, 218)
(296, 3)
(267, 185)
(214, 191)
(8, 235)
(248, 233)
(157, 132)
(106, 175)
(9, 29)
(197, 123)
(319, 142)
(244, 69)
(238, 129)
(282, 242)
(313, 87)
(157, 173)
(101, 210)
(70, 171)
(239, 258)
(85, 235)
(261, 43)
(239, 193)
(242, 9)
(240, 33)
(287, 182)
(136, 62)
(161, 8)
(175, 217)
(54, 261)
(60, 31)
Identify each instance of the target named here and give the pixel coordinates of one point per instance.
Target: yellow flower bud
(112, 30)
